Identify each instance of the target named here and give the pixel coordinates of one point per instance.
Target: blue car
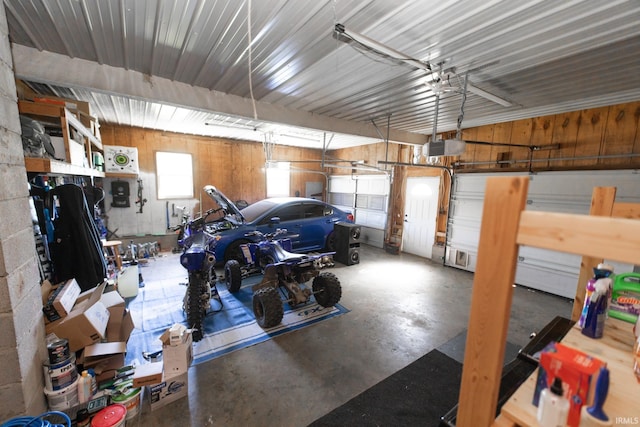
(310, 223)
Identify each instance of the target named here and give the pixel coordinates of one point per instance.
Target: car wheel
(331, 242)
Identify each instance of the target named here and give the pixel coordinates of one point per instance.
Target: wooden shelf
(50, 166)
(615, 348)
(59, 115)
(121, 175)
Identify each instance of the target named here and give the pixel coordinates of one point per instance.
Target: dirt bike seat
(285, 256)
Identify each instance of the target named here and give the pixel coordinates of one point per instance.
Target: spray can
(602, 271)
(597, 311)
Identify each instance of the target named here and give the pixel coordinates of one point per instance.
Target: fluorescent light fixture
(489, 96)
(298, 137)
(386, 50)
(392, 53)
(232, 125)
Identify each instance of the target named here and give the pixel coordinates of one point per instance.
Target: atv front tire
(327, 289)
(233, 275)
(267, 307)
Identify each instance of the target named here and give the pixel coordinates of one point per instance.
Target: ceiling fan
(439, 79)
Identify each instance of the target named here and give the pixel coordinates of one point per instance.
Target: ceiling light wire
(253, 101)
(461, 115)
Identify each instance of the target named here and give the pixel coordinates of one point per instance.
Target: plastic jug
(128, 282)
(625, 298)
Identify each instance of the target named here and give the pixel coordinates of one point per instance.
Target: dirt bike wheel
(267, 307)
(195, 315)
(233, 275)
(327, 289)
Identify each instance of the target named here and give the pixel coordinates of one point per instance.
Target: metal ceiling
(176, 64)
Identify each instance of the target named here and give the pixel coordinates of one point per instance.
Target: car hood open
(230, 209)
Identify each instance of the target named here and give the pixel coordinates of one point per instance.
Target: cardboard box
(58, 145)
(578, 372)
(172, 388)
(120, 331)
(75, 153)
(115, 304)
(77, 157)
(85, 324)
(104, 358)
(178, 357)
(57, 301)
(148, 374)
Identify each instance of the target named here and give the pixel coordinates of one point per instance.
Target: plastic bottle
(553, 408)
(602, 271)
(84, 387)
(94, 383)
(597, 311)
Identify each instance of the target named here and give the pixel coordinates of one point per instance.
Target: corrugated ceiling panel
(533, 53)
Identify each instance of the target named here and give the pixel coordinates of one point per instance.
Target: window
(285, 213)
(314, 211)
(278, 179)
(174, 175)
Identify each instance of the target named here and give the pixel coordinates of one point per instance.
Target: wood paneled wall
(597, 138)
(234, 167)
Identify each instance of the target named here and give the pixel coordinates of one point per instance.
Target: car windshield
(251, 212)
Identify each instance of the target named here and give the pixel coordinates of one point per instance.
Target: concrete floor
(402, 307)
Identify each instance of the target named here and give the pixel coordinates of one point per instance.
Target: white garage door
(367, 197)
(568, 192)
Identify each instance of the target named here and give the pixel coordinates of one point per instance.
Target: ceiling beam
(51, 68)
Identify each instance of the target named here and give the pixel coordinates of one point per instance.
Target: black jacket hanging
(77, 250)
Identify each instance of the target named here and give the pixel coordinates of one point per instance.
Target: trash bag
(35, 141)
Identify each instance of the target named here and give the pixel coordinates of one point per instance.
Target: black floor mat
(417, 395)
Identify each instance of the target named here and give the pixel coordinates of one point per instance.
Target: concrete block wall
(22, 337)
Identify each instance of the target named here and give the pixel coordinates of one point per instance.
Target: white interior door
(420, 210)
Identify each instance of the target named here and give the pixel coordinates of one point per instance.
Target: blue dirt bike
(285, 275)
(199, 259)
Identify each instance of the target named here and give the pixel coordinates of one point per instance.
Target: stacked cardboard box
(167, 381)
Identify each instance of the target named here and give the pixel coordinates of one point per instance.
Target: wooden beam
(52, 68)
(491, 301)
(626, 210)
(599, 237)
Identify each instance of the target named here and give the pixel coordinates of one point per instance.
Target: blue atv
(284, 279)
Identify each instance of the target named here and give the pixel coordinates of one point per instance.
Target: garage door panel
(566, 192)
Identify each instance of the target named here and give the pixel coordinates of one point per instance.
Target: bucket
(128, 396)
(58, 351)
(112, 416)
(62, 399)
(59, 376)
